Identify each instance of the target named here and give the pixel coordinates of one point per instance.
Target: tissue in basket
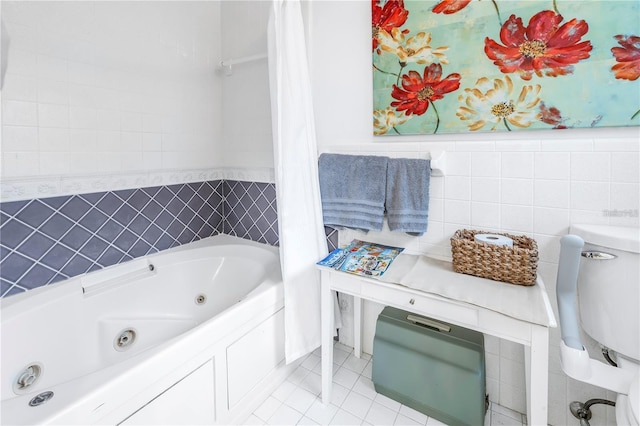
(515, 265)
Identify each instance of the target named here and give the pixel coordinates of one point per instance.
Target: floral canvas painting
(457, 66)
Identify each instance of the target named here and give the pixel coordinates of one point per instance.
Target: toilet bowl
(627, 405)
(600, 265)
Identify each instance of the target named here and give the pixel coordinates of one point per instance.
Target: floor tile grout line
(297, 386)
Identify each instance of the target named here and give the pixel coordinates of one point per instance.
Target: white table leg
(326, 306)
(357, 326)
(536, 359)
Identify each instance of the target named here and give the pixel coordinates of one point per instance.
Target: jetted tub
(190, 335)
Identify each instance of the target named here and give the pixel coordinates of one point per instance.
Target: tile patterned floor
(297, 400)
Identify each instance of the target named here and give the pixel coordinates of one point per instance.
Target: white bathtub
(206, 321)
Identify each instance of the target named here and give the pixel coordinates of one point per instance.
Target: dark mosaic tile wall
(251, 213)
(47, 240)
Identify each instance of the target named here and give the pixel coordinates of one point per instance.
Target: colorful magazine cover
(362, 258)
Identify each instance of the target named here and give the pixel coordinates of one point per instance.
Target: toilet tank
(609, 286)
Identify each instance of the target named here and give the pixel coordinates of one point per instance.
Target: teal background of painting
(590, 96)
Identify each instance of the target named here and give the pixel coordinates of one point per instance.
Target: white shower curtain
(301, 230)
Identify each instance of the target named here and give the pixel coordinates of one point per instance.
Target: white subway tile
(591, 166)
(550, 221)
(625, 196)
(551, 193)
(53, 92)
(455, 187)
(516, 218)
(457, 212)
(458, 163)
(52, 44)
(82, 117)
(53, 163)
(19, 88)
(589, 216)
(53, 139)
(152, 123)
(109, 140)
(83, 162)
(517, 164)
(130, 101)
(436, 209)
(436, 186)
(151, 142)
(131, 141)
(517, 191)
(21, 62)
(19, 113)
(81, 51)
(19, 138)
(18, 12)
(625, 167)
(52, 68)
(590, 195)
(485, 215)
(53, 115)
(108, 119)
(486, 164)
(552, 165)
(18, 164)
(485, 189)
(82, 140)
(132, 161)
(151, 160)
(106, 98)
(131, 121)
(23, 37)
(81, 73)
(511, 351)
(81, 96)
(171, 142)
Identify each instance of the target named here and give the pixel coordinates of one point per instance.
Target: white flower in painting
(493, 102)
(416, 48)
(385, 120)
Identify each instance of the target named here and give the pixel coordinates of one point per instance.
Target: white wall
(246, 107)
(109, 88)
(535, 183)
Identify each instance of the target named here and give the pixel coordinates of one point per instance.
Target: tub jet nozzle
(124, 339)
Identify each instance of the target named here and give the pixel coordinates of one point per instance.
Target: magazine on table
(362, 258)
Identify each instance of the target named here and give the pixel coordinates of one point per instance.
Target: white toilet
(603, 264)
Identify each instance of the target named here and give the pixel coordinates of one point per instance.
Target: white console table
(535, 337)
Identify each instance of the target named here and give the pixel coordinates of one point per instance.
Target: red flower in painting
(551, 116)
(628, 57)
(391, 15)
(450, 6)
(419, 90)
(543, 45)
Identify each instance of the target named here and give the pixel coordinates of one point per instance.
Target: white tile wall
(96, 86)
(535, 183)
(124, 86)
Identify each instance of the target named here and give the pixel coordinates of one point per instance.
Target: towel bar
(438, 157)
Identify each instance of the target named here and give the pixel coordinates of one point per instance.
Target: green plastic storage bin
(431, 366)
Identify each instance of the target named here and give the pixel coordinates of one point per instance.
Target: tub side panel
(254, 356)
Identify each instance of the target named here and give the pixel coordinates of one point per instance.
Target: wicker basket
(515, 265)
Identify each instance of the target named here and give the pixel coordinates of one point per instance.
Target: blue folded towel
(352, 188)
(407, 195)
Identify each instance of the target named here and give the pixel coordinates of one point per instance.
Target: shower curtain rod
(228, 63)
